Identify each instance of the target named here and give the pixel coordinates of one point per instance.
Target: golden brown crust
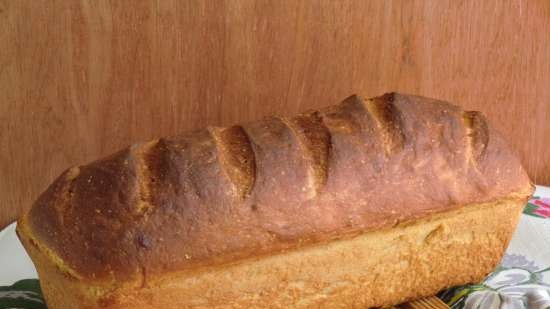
(219, 195)
(382, 267)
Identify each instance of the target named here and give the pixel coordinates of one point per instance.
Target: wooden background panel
(81, 79)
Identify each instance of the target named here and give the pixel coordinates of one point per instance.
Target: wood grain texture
(425, 303)
(81, 79)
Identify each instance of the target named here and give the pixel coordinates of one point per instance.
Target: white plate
(15, 264)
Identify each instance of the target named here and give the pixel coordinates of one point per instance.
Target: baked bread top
(221, 195)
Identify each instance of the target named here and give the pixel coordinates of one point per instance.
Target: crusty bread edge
(64, 289)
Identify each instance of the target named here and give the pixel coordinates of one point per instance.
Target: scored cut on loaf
(364, 203)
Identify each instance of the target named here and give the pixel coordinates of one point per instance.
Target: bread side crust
(382, 267)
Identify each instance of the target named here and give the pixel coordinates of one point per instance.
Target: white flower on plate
(512, 288)
(507, 277)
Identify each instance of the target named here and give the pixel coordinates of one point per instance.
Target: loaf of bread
(365, 203)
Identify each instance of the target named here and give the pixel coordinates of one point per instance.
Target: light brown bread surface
(387, 266)
(214, 205)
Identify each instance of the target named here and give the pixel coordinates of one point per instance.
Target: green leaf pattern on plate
(25, 294)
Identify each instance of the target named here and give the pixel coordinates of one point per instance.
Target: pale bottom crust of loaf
(382, 267)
